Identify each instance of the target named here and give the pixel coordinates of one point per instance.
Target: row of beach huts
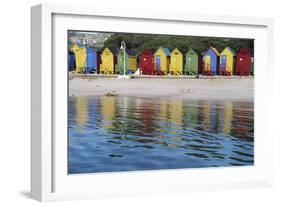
(83, 59)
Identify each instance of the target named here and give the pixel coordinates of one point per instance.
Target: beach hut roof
(215, 50)
(251, 51)
(195, 50)
(114, 51)
(166, 51)
(128, 52)
(131, 52)
(73, 47)
(146, 50)
(177, 50)
(231, 50)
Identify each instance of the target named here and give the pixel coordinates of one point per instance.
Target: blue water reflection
(109, 134)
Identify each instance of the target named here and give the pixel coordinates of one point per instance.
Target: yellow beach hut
(74, 47)
(108, 61)
(80, 57)
(176, 65)
(227, 57)
(162, 60)
(132, 61)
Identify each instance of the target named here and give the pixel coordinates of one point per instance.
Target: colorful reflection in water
(109, 134)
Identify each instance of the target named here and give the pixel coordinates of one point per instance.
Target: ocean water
(109, 134)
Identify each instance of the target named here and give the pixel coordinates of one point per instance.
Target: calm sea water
(108, 134)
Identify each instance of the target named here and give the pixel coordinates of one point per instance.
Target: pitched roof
(106, 48)
(231, 50)
(177, 49)
(251, 51)
(166, 51)
(128, 52)
(191, 49)
(145, 51)
(73, 47)
(131, 52)
(114, 51)
(215, 50)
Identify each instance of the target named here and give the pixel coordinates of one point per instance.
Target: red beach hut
(146, 62)
(243, 62)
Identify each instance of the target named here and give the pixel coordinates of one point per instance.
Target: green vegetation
(139, 42)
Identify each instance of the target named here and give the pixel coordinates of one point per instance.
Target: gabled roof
(128, 52)
(73, 47)
(194, 50)
(214, 50)
(231, 50)
(165, 50)
(114, 51)
(251, 51)
(131, 52)
(177, 50)
(106, 48)
(146, 50)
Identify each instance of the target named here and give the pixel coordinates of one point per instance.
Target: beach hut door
(158, 63)
(207, 63)
(223, 62)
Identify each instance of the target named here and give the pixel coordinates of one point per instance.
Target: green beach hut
(130, 62)
(192, 62)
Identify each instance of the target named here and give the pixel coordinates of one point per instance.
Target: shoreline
(221, 88)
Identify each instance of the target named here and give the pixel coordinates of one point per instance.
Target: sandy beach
(225, 88)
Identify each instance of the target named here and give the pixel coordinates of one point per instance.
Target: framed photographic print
(135, 102)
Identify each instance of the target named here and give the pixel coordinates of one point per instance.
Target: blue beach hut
(211, 61)
(71, 61)
(86, 60)
(92, 59)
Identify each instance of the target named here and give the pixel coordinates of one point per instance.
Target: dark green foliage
(139, 42)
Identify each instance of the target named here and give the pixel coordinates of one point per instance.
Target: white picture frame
(49, 179)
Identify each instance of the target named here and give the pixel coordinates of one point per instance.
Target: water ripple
(122, 134)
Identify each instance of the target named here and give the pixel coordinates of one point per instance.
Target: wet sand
(225, 88)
